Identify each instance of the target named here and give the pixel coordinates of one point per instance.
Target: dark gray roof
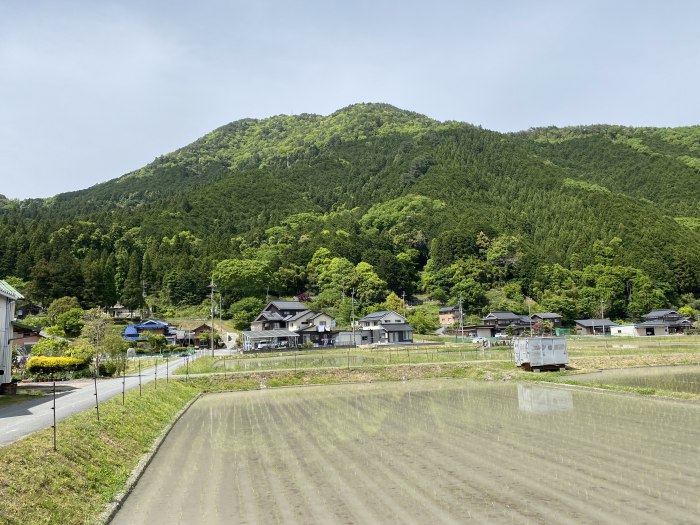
(448, 309)
(502, 315)
(652, 323)
(397, 327)
(287, 305)
(590, 323)
(379, 315)
(298, 315)
(270, 316)
(660, 313)
(546, 315)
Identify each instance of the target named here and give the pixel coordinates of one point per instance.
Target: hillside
(442, 207)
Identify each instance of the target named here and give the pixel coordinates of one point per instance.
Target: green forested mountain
(375, 199)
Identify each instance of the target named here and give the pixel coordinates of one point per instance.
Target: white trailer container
(540, 353)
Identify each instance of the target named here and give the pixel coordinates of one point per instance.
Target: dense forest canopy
(376, 203)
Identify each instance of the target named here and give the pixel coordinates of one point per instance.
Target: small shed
(540, 353)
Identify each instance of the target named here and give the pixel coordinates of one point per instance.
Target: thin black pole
(139, 377)
(167, 371)
(155, 375)
(55, 448)
(126, 360)
(97, 400)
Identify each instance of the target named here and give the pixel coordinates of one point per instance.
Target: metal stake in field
(167, 371)
(126, 360)
(97, 401)
(55, 448)
(139, 377)
(187, 368)
(155, 376)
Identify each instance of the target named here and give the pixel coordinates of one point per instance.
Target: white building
(385, 326)
(644, 329)
(8, 297)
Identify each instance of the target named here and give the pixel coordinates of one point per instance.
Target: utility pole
(461, 320)
(352, 316)
(211, 300)
(403, 302)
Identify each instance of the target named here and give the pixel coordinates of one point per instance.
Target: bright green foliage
(240, 278)
(71, 322)
(49, 347)
(157, 342)
(424, 320)
(82, 351)
(244, 311)
(61, 306)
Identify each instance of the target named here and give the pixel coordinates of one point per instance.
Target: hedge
(51, 365)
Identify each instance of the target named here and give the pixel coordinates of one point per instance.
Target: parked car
(479, 340)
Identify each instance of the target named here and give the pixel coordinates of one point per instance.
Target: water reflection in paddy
(673, 378)
(425, 452)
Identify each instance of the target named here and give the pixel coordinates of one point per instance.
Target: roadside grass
(93, 461)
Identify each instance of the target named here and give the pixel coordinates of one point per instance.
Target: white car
(479, 340)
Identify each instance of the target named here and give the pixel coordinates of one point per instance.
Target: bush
(54, 365)
(108, 368)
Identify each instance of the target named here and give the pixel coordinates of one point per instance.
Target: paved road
(21, 419)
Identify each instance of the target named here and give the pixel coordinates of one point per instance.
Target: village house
(676, 322)
(449, 315)
(647, 328)
(385, 326)
(502, 320)
(139, 332)
(551, 317)
(289, 324)
(8, 298)
(594, 326)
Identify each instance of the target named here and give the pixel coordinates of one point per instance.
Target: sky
(91, 90)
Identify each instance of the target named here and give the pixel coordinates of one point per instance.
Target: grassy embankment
(94, 460)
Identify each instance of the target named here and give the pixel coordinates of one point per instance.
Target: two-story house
(676, 322)
(502, 320)
(449, 315)
(138, 332)
(385, 326)
(552, 317)
(276, 315)
(289, 323)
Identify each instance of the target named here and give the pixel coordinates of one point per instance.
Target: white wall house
(644, 329)
(8, 296)
(385, 326)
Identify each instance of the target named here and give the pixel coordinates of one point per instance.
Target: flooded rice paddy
(442, 451)
(673, 378)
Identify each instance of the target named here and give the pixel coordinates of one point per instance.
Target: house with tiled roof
(552, 317)
(139, 332)
(290, 323)
(676, 322)
(594, 326)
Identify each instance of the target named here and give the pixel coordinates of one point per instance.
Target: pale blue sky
(90, 90)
